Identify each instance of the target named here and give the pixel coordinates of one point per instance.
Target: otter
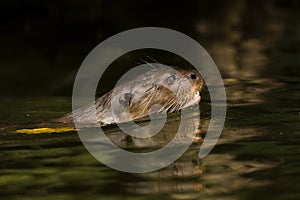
(170, 87)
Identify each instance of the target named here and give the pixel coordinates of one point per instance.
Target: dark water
(257, 157)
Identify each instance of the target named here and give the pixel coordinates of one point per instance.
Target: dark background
(44, 42)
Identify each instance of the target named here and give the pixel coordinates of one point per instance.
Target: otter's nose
(193, 76)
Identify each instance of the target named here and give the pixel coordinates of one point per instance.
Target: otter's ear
(125, 100)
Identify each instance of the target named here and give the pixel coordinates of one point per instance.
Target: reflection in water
(170, 179)
(59, 163)
(257, 141)
(214, 175)
(154, 152)
(191, 177)
(177, 128)
(243, 92)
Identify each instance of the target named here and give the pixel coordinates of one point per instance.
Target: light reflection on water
(250, 149)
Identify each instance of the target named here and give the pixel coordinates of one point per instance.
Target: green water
(257, 155)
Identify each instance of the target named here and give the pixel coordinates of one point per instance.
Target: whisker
(154, 86)
(148, 103)
(153, 59)
(171, 103)
(148, 63)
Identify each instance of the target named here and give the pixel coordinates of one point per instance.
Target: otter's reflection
(174, 129)
(191, 177)
(171, 178)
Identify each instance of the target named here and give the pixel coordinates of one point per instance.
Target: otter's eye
(171, 80)
(193, 76)
(125, 100)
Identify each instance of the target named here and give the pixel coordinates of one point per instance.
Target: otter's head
(171, 88)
